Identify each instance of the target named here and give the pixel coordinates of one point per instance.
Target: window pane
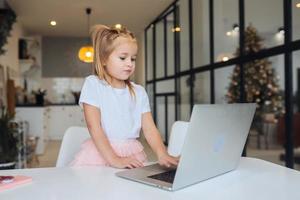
(161, 114)
(296, 78)
(150, 54)
(202, 88)
(150, 95)
(161, 123)
(267, 18)
(222, 81)
(159, 50)
(296, 88)
(170, 43)
(184, 35)
(165, 86)
(200, 32)
(171, 113)
(226, 38)
(295, 20)
(266, 88)
(184, 107)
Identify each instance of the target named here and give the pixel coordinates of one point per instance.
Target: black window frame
(286, 49)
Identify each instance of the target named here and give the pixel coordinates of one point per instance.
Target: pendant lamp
(86, 52)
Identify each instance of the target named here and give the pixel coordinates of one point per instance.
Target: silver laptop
(213, 145)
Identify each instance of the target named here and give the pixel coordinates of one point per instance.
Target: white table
(253, 179)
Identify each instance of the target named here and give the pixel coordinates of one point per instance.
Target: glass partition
(170, 45)
(222, 82)
(296, 94)
(150, 66)
(226, 29)
(295, 20)
(201, 32)
(165, 86)
(184, 111)
(267, 18)
(183, 31)
(263, 30)
(159, 50)
(267, 135)
(160, 122)
(202, 88)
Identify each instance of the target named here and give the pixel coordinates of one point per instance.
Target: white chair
(177, 136)
(72, 140)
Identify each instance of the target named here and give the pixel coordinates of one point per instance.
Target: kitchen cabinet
(61, 118)
(50, 122)
(35, 116)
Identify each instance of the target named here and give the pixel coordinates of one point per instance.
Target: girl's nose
(130, 63)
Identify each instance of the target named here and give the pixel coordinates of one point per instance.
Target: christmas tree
(260, 80)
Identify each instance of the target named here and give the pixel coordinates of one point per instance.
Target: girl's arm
(153, 137)
(93, 119)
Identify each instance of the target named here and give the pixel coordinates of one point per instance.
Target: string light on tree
(261, 81)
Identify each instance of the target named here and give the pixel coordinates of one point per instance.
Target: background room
(190, 52)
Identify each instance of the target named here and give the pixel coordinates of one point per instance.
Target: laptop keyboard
(165, 176)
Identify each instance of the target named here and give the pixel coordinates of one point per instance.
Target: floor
(48, 159)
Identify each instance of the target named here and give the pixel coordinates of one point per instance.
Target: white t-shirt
(121, 113)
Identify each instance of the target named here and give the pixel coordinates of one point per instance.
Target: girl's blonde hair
(103, 38)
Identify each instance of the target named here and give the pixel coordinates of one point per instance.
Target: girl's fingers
(173, 161)
(170, 161)
(134, 163)
(166, 164)
(138, 163)
(131, 166)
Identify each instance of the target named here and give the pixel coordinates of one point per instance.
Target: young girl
(115, 108)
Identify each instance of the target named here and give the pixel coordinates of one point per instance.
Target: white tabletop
(253, 179)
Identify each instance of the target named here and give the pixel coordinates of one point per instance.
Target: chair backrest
(177, 136)
(72, 140)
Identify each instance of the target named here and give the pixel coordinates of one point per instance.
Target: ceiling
(71, 18)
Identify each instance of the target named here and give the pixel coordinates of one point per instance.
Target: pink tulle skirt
(89, 155)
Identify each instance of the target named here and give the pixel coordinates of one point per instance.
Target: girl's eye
(133, 59)
(122, 58)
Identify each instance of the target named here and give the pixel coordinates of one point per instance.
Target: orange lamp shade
(86, 54)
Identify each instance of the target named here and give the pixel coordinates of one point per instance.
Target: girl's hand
(127, 162)
(168, 161)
